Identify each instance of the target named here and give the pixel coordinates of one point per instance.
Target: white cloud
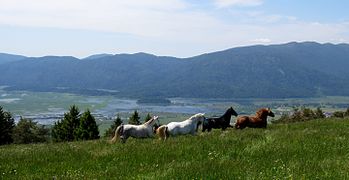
(174, 25)
(228, 3)
(142, 18)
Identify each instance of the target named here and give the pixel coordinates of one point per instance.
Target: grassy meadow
(307, 150)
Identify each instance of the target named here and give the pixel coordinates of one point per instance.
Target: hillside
(309, 150)
(276, 71)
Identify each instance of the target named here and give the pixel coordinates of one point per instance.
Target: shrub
(338, 114)
(27, 131)
(304, 114)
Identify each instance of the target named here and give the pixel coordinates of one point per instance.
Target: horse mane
(151, 120)
(260, 112)
(196, 116)
(226, 112)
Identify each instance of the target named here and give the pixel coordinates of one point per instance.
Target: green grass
(309, 150)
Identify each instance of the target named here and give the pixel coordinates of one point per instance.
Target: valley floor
(308, 150)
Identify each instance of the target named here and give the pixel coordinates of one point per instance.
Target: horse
(219, 122)
(257, 121)
(137, 131)
(188, 126)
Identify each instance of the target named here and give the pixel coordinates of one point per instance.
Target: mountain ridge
(293, 69)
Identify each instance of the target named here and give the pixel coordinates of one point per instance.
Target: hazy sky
(178, 28)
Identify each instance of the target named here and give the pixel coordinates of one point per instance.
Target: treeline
(306, 114)
(26, 131)
(74, 126)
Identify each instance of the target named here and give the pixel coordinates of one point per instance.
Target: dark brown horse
(257, 121)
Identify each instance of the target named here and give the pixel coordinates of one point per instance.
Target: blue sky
(180, 28)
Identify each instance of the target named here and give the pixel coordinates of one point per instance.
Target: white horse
(137, 131)
(188, 126)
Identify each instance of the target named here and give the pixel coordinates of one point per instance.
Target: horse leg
(203, 128)
(264, 125)
(123, 138)
(237, 126)
(167, 134)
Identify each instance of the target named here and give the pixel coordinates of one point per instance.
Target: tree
(134, 119)
(7, 124)
(147, 118)
(88, 128)
(27, 131)
(338, 114)
(117, 122)
(58, 132)
(319, 113)
(67, 128)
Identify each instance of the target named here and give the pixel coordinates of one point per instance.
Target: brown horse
(257, 121)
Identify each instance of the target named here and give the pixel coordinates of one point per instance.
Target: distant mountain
(4, 58)
(275, 71)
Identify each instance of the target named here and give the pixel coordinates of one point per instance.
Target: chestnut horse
(257, 121)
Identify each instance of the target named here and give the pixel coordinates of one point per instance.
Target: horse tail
(166, 132)
(162, 132)
(237, 123)
(241, 122)
(118, 133)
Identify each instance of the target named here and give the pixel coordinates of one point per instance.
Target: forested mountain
(274, 71)
(4, 58)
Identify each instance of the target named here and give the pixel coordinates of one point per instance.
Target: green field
(316, 149)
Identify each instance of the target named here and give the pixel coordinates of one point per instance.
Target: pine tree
(88, 128)
(7, 124)
(147, 118)
(110, 132)
(134, 119)
(58, 132)
(67, 128)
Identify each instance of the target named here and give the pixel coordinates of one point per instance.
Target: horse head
(264, 112)
(152, 121)
(270, 113)
(232, 111)
(199, 117)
